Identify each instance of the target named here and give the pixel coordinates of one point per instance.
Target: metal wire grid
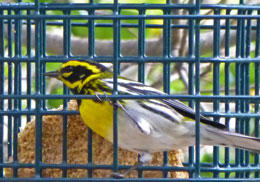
(13, 16)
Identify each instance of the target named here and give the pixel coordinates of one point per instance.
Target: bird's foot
(99, 99)
(122, 175)
(117, 175)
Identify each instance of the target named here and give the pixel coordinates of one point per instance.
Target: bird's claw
(97, 97)
(106, 98)
(102, 99)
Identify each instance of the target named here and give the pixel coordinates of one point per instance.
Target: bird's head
(75, 74)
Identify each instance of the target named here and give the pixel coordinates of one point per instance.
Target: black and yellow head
(75, 74)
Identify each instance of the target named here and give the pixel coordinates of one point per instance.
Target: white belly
(158, 134)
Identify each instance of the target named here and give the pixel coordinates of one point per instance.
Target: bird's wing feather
(190, 113)
(131, 87)
(133, 118)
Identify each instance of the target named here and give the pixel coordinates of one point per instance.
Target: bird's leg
(145, 158)
(122, 175)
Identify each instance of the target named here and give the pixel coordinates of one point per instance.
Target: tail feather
(227, 138)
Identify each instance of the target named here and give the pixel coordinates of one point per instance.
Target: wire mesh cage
(203, 53)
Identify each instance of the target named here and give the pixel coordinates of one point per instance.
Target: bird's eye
(69, 69)
(82, 76)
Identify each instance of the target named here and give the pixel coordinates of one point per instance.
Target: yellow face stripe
(79, 83)
(88, 79)
(69, 84)
(66, 74)
(76, 63)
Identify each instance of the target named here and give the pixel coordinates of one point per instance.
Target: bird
(145, 126)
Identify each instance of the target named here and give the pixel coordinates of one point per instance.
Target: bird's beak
(54, 74)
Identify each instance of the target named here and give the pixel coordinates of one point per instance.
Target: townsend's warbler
(144, 125)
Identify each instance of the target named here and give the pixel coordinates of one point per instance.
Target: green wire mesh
(25, 49)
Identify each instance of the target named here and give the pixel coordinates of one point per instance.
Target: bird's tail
(215, 136)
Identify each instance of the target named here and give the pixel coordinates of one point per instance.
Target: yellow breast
(98, 116)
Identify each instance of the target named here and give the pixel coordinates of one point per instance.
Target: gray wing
(136, 88)
(190, 113)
